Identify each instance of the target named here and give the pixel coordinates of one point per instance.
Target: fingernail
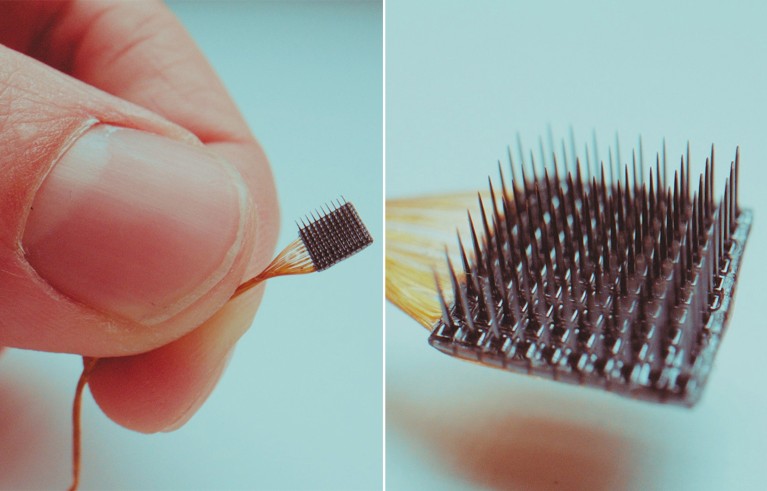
(136, 225)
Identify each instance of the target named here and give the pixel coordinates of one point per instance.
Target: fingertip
(156, 391)
(162, 389)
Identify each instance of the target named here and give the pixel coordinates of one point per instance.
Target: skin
(133, 65)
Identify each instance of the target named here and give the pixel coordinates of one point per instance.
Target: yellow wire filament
(419, 231)
(294, 259)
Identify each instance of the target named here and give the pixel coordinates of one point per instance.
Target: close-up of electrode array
(623, 284)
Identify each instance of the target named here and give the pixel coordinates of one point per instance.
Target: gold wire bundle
(294, 259)
(418, 233)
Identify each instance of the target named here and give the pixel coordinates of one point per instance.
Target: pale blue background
(300, 406)
(462, 78)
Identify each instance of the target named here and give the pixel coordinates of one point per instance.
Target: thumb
(119, 231)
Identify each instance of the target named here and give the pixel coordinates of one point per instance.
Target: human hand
(131, 245)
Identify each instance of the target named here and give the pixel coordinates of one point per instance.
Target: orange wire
(89, 365)
(294, 259)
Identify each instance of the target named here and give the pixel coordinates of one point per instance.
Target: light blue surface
(462, 79)
(300, 406)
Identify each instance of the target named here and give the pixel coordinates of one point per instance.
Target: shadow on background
(519, 450)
